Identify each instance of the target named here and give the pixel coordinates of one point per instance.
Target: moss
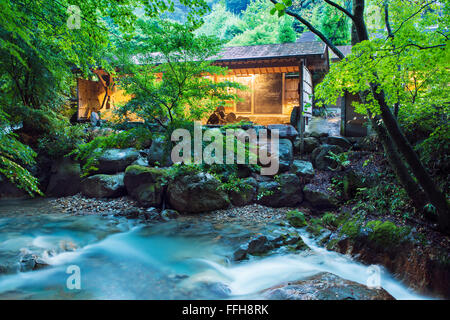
(137, 169)
(296, 218)
(331, 245)
(140, 174)
(314, 227)
(329, 220)
(351, 229)
(386, 234)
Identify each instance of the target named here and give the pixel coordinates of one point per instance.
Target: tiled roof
(284, 50)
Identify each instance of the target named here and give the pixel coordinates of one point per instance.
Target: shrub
(88, 153)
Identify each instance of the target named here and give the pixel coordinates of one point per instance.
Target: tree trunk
(437, 198)
(401, 171)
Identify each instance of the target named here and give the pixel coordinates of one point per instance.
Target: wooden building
(272, 72)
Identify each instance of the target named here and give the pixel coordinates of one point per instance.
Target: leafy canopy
(168, 71)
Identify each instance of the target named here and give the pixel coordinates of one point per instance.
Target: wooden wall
(90, 98)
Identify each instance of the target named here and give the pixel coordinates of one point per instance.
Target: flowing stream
(185, 258)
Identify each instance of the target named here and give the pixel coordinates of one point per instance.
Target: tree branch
(327, 41)
(414, 14)
(386, 20)
(343, 10)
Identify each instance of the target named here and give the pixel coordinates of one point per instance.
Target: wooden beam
(300, 123)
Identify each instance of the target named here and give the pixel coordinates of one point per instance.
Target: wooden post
(283, 91)
(301, 120)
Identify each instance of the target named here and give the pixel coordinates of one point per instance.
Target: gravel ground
(79, 205)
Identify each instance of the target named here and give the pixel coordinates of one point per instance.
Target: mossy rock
(296, 218)
(137, 173)
(315, 227)
(245, 194)
(103, 186)
(351, 229)
(386, 234)
(145, 184)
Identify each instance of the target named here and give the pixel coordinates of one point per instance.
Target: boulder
(145, 184)
(116, 160)
(318, 198)
(246, 194)
(326, 286)
(158, 154)
(309, 144)
(284, 131)
(342, 142)
(286, 192)
(285, 155)
(65, 178)
(197, 193)
(103, 186)
(302, 169)
(320, 159)
(169, 214)
(258, 245)
(296, 218)
(240, 254)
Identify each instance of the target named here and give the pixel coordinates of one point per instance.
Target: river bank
(185, 258)
(419, 264)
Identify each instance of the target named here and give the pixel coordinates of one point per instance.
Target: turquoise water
(118, 258)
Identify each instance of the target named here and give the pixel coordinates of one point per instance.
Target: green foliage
(286, 31)
(411, 67)
(385, 198)
(37, 54)
(257, 26)
(263, 193)
(62, 139)
(15, 157)
(334, 24)
(314, 227)
(235, 184)
(296, 218)
(329, 220)
(341, 160)
(183, 92)
(221, 23)
(88, 153)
